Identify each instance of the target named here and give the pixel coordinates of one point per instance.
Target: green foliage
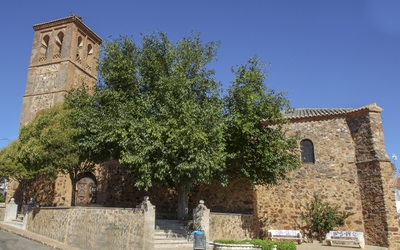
(10, 165)
(48, 146)
(268, 244)
(2, 198)
(158, 110)
(257, 143)
(321, 217)
(265, 244)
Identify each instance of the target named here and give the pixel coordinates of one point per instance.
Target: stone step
(174, 245)
(20, 217)
(171, 234)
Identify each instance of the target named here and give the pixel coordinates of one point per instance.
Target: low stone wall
(2, 211)
(218, 246)
(94, 228)
(224, 226)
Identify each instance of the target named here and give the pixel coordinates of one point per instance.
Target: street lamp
(394, 157)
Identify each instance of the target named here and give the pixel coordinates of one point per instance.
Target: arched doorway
(85, 191)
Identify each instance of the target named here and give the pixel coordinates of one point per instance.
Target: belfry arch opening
(44, 48)
(79, 48)
(59, 42)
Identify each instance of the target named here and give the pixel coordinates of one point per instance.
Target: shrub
(321, 217)
(2, 198)
(265, 244)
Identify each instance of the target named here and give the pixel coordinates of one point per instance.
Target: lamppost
(5, 139)
(394, 157)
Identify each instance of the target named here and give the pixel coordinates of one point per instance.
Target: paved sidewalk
(36, 237)
(61, 246)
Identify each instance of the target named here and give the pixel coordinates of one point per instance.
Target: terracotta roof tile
(319, 112)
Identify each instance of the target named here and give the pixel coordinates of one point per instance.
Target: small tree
(47, 146)
(321, 217)
(11, 167)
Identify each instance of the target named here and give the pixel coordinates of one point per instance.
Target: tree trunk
(182, 203)
(73, 182)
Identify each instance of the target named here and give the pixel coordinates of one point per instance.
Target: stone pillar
(201, 219)
(11, 211)
(149, 223)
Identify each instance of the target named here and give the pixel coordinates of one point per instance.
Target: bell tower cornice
(70, 19)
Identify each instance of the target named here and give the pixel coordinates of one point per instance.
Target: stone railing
(219, 246)
(229, 226)
(223, 226)
(2, 211)
(96, 227)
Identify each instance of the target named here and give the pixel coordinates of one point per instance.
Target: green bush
(321, 217)
(2, 198)
(265, 244)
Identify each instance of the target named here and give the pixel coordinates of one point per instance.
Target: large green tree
(47, 146)
(158, 110)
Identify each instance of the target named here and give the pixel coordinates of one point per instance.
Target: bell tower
(64, 56)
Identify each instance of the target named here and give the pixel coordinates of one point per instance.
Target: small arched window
(44, 48)
(307, 151)
(89, 49)
(59, 42)
(79, 47)
(89, 56)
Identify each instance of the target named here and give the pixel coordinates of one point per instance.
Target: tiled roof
(313, 112)
(319, 112)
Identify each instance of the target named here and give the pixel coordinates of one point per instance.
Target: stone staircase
(172, 234)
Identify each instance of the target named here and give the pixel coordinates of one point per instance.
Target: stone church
(343, 150)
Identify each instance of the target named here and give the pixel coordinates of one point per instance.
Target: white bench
(286, 235)
(345, 237)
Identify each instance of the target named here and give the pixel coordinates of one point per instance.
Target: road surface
(10, 241)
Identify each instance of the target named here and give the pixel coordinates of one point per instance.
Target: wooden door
(84, 191)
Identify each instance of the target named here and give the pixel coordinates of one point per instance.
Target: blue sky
(324, 54)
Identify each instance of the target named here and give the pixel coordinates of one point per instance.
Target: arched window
(60, 38)
(307, 151)
(79, 47)
(44, 48)
(89, 55)
(89, 49)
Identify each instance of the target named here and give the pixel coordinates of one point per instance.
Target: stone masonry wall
(333, 176)
(115, 188)
(93, 228)
(375, 174)
(231, 226)
(2, 211)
